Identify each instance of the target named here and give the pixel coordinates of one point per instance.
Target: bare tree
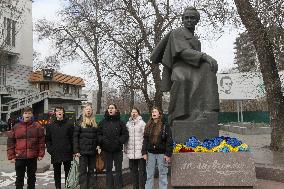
(245, 53)
(49, 62)
(78, 36)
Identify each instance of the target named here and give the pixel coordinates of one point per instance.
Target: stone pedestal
(213, 170)
(206, 127)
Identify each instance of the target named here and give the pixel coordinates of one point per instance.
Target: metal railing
(20, 103)
(33, 98)
(57, 94)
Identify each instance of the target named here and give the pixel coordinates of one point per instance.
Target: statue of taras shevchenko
(188, 74)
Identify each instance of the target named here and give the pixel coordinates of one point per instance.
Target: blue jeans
(163, 171)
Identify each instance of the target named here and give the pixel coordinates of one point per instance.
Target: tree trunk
(100, 83)
(157, 80)
(99, 96)
(132, 96)
(264, 50)
(98, 72)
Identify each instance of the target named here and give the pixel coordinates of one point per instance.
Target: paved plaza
(258, 144)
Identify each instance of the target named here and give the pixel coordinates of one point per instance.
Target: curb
(245, 130)
(267, 172)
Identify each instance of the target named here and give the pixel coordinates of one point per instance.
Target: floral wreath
(217, 144)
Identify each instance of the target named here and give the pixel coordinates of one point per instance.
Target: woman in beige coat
(133, 148)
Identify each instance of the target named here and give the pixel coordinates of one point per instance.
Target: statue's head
(190, 17)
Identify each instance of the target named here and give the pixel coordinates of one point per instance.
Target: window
(66, 89)
(8, 59)
(13, 33)
(44, 87)
(76, 91)
(3, 75)
(10, 31)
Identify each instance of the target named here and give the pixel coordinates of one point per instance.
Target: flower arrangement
(217, 144)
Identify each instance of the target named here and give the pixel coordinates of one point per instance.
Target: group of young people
(144, 144)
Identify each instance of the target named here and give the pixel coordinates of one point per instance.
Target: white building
(16, 50)
(16, 39)
(16, 45)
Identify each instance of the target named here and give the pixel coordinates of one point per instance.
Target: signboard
(240, 86)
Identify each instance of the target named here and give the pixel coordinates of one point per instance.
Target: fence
(224, 117)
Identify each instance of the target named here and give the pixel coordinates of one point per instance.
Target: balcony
(60, 95)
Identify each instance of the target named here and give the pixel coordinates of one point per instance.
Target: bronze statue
(188, 73)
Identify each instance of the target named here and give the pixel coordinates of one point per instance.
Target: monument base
(205, 128)
(213, 170)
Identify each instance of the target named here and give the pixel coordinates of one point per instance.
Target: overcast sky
(221, 49)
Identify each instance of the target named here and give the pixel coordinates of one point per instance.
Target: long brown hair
(152, 132)
(88, 120)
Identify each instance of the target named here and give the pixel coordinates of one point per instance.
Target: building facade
(60, 90)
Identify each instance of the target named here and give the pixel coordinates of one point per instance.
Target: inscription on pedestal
(218, 167)
(213, 169)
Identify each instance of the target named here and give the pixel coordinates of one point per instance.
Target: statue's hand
(213, 63)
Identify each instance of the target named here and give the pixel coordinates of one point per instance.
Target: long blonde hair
(88, 120)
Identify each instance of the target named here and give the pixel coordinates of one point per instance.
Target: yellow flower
(235, 149)
(230, 147)
(223, 143)
(243, 146)
(200, 149)
(177, 148)
(216, 149)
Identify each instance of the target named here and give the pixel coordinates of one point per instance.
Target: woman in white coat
(133, 148)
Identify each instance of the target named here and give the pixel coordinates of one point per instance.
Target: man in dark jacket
(25, 145)
(59, 140)
(112, 135)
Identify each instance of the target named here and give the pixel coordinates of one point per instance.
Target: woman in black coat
(59, 141)
(112, 135)
(85, 144)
